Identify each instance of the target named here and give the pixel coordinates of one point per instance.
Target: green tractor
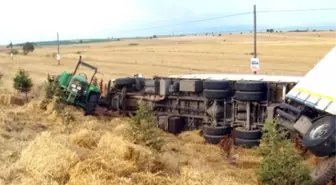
(77, 90)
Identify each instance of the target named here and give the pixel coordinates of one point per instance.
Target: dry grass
(279, 53)
(36, 147)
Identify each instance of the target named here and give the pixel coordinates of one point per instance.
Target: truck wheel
(250, 96)
(216, 94)
(213, 139)
(241, 133)
(124, 81)
(246, 143)
(92, 104)
(216, 84)
(251, 86)
(216, 131)
(320, 138)
(324, 171)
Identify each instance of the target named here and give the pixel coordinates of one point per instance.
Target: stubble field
(39, 147)
(279, 53)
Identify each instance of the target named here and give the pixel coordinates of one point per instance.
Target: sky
(39, 20)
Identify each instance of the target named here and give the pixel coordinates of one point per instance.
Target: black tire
(324, 171)
(213, 139)
(250, 96)
(324, 144)
(216, 131)
(124, 81)
(241, 133)
(251, 86)
(216, 84)
(92, 104)
(246, 143)
(216, 94)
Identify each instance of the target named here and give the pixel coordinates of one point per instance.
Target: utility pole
(58, 57)
(11, 46)
(255, 33)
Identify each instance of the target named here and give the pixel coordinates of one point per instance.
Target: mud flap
(302, 125)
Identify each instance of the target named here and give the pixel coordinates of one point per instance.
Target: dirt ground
(39, 147)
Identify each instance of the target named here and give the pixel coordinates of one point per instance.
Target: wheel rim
(320, 131)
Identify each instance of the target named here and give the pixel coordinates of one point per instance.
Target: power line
(194, 21)
(296, 10)
(230, 15)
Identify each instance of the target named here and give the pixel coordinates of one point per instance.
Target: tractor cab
(78, 89)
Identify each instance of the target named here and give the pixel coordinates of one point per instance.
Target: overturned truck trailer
(239, 104)
(217, 103)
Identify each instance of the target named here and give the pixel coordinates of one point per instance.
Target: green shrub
(144, 130)
(51, 90)
(133, 44)
(281, 164)
(22, 82)
(15, 52)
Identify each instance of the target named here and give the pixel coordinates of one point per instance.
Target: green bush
(144, 130)
(22, 82)
(133, 44)
(15, 52)
(281, 164)
(51, 90)
(28, 47)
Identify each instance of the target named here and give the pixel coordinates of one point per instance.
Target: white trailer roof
(237, 77)
(318, 88)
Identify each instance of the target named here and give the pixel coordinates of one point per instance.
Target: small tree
(22, 82)
(28, 47)
(281, 164)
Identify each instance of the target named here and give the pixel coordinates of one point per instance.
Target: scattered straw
(49, 156)
(86, 138)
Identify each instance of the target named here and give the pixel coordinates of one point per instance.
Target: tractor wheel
(92, 104)
(324, 171)
(216, 84)
(251, 86)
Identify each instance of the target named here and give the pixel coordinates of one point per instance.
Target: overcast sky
(37, 20)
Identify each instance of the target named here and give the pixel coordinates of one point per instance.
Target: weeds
(281, 164)
(144, 130)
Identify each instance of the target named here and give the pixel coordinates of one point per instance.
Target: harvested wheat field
(279, 53)
(39, 146)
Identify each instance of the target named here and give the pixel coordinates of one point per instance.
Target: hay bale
(86, 138)
(49, 156)
(6, 99)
